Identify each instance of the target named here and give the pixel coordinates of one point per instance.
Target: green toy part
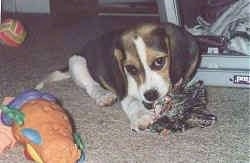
(14, 114)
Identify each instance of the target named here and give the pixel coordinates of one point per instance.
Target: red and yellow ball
(12, 32)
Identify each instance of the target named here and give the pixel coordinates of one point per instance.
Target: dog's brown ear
(184, 54)
(120, 79)
(119, 54)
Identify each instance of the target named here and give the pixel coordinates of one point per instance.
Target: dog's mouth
(148, 105)
(159, 106)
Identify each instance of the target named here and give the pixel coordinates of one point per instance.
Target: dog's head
(156, 59)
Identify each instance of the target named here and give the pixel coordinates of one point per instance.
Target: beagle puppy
(137, 66)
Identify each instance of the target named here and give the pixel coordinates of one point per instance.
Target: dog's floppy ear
(120, 79)
(184, 54)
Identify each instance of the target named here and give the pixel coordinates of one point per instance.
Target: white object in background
(27, 6)
(239, 10)
(169, 11)
(213, 50)
(33, 6)
(229, 61)
(224, 70)
(240, 44)
(224, 77)
(240, 37)
(9, 5)
(234, 24)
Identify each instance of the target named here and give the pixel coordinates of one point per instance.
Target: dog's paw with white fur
(106, 98)
(142, 122)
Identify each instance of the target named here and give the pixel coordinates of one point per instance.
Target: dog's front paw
(106, 98)
(142, 122)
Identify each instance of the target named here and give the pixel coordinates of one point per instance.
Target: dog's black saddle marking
(186, 110)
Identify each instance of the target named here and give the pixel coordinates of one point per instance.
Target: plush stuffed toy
(42, 126)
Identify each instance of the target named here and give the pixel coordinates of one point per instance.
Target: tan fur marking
(146, 29)
(143, 31)
(120, 58)
(152, 55)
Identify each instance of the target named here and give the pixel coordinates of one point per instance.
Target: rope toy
(179, 112)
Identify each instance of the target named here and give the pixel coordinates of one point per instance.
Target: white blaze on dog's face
(146, 64)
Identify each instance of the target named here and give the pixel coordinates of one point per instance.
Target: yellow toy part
(34, 155)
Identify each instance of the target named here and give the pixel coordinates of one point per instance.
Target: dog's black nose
(151, 95)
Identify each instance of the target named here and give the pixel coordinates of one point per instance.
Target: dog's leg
(140, 118)
(53, 77)
(80, 74)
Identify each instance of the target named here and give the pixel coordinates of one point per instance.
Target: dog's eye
(131, 69)
(158, 63)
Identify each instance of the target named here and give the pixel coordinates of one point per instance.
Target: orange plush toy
(43, 127)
